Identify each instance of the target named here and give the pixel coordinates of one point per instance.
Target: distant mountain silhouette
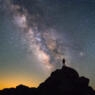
(65, 81)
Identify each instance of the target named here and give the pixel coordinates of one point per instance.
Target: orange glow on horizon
(12, 83)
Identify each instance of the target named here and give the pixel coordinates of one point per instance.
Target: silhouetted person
(63, 61)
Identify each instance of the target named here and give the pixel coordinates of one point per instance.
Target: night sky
(35, 35)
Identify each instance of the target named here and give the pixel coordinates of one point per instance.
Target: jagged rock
(65, 82)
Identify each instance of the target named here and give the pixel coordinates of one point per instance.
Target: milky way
(42, 38)
(44, 42)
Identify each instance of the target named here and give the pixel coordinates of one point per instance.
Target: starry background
(36, 34)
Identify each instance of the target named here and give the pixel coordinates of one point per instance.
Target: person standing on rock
(63, 61)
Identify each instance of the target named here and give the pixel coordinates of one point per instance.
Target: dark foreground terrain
(61, 82)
